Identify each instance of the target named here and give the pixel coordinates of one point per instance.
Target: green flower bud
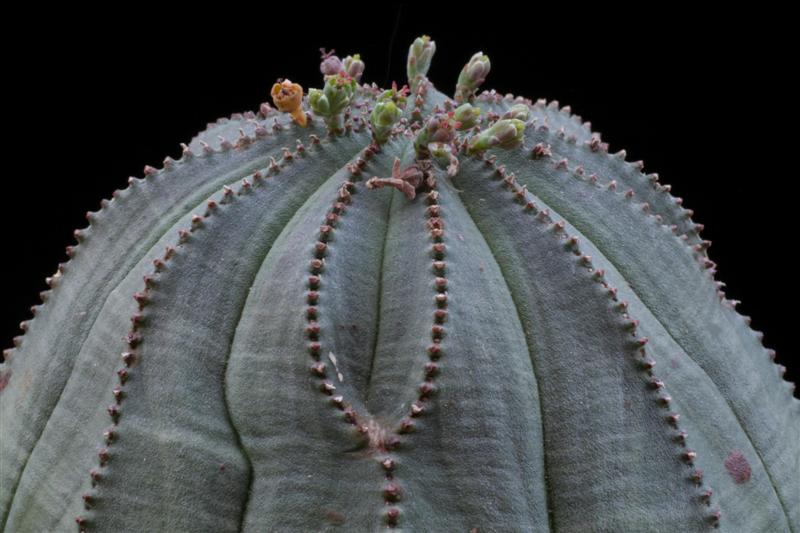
(472, 76)
(466, 116)
(333, 98)
(318, 102)
(383, 116)
(506, 133)
(445, 154)
(419, 56)
(440, 129)
(519, 112)
(353, 66)
(398, 96)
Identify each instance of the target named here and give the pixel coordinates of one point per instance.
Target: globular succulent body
(394, 310)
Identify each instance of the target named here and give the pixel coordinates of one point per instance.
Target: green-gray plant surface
(363, 309)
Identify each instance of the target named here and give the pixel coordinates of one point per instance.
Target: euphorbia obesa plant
(373, 309)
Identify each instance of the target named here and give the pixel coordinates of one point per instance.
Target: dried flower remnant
(406, 180)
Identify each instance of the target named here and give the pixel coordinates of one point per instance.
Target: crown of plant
(372, 309)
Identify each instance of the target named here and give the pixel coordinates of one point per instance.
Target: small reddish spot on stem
(335, 517)
(737, 466)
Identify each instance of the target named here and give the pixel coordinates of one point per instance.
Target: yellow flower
(288, 98)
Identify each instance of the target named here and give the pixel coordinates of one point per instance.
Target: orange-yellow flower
(288, 98)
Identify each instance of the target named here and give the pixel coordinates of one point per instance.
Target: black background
(707, 100)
